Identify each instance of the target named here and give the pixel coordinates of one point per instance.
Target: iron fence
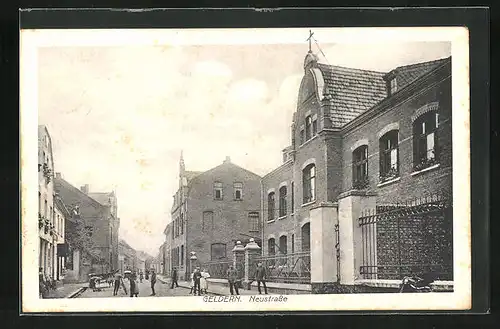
(218, 269)
(285, 268)
(411, 238)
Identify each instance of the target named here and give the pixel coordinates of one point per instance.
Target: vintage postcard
(191, 170)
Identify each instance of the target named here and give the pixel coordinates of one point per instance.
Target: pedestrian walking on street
(260, 275)
(141, 276)
(196, 281)
(118, 281)
(204, 280)
(153, 282)
(42, 284)
(174, 278)
(232, 278)
(134, 288)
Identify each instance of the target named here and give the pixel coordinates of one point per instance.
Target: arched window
(306, 237)
(282, 201)
(308, 127)
(271, 247)
(218, 191)
(360, 167)
(389, 157)
(283, 244)
(425, 140)
(309, 183)
(270, 206)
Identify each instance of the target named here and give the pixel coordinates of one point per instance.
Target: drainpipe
(261, 217)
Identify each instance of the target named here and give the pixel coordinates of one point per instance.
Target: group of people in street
(133, 284)
(199, 282)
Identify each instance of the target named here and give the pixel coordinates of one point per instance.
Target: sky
(120, 116)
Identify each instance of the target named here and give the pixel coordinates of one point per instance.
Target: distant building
(127, 256)
(97, 222)
(211, 211)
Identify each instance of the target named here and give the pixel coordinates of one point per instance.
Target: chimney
(228, 159)
(85, 188)
(58, 175)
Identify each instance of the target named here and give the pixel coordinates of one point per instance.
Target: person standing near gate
(174, 278)
(153, 282)
(196, 280)
(232, 277)
(260, 275)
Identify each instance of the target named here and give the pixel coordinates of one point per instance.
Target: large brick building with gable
(211, 211)
(365, 184)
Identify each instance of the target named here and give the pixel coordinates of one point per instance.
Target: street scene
(208, 170)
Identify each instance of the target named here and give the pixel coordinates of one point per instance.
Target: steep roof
(191, 174)
(349, 92)
(407, 74)
(71, 196)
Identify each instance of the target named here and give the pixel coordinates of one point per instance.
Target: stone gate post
(239, 258)
(252, 251)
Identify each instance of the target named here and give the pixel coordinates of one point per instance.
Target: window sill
(215, 199)
(308, 203)
(415, 173)
(282, 217)
(308, 141)
(271, 221)
(390, 181)
(237, 199)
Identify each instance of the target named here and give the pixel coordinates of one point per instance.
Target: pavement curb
(76, 293)
(188, 287)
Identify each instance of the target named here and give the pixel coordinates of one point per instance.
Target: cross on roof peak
(311, 33)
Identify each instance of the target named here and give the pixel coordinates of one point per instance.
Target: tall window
(218, 191)
(360, 167)
(253, 219)
(45, 209)
(425, 140)
(182, 255)
(309, 183)
(308, 127)
(392, 86)
(389, 163)
(218, 251)
(282, 201)
(302, 137)
(293, 198)
(270, 206)
(271, 247)
(238, 191)
(293, 243)
(314, 127)
(208, 221)
(283, 244)
(39, 203)
(182, 224)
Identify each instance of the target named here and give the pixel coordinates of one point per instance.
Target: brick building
(365, 184)
(211, 211)
(128, 257)
(97, 221)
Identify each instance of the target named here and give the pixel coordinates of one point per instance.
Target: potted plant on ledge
(425, 163)
(47, 172)
(392, 173)
(361, 183)
(40, 221)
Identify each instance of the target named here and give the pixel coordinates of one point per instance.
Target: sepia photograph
(245, 169)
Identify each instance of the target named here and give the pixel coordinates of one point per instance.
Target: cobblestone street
(162, 290)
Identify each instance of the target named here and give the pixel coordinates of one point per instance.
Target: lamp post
(192, 262)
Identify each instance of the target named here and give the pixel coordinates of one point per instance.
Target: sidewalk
(213, 289)
(67, 289)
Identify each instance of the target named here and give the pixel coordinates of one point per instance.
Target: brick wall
(230, 215)
(437, 89)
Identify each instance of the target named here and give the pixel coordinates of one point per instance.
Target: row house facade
(211, 211)
(51, 214)
(365, 185)
(94, 221)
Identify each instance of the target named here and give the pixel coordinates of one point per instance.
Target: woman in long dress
(192, 283)
(203, 281)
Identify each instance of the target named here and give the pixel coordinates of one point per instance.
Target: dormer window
(392, 86)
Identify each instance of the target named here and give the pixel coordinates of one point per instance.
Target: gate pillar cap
(238, 247)
(252, 245)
